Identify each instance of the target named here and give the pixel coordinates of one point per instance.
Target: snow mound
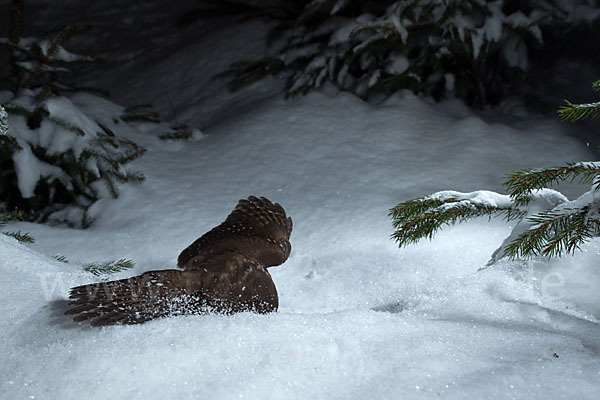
(486, 334)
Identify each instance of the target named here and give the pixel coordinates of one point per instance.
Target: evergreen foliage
(555, 232)
(549, 224)
(58, 158)
(105, 268)
(11, 216)
(61, 258)
(416, 219)
(3, 121)
(140, 113)
(574, 112)
(177, 132)
(143, 113)
(100, 269)
(110, 267)
(522, 183)
(476, 50)
(21, 237)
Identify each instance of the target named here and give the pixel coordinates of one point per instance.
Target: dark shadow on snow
(395, 307)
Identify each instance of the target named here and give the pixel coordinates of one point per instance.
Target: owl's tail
(134, 300)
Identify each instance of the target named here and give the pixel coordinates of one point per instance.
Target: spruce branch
(179, 132)
(555, 232)
(38, 64)
(110, 267)
(105, 129)
(111, 185)
(65, 124)
(8, 146)
(130, 176)
(249, 72)
(21, 237)
(574, 112)
(140, 113)
(17, 110)
(61, 258)
(13, 216)
(312, 11)
(421, 218)
(62, 35)
(521, 184)
(563, 227)
(34, 118)
(46, 55)
(3, 121)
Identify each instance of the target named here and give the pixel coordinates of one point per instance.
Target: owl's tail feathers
(134, 300)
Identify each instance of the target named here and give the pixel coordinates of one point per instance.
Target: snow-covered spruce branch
(140, 113)
(59, 149)
(422, 218)
(556, 231)
(521, 184)
(575, 112)
(32, 58)
(476, 50)
(3, 121)
(548, 223)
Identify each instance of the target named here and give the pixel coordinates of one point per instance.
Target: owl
(224, 271)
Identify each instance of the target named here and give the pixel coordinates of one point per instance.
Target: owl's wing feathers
(256, 227)
(244, 285)
(224, 271)
(133, 300)
(241, 284)
(261, 217)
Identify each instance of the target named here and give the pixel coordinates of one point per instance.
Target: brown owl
(223, 271)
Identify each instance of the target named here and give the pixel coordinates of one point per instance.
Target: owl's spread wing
(134, 300)
(225, 271)
(241, 285)
(256, 228)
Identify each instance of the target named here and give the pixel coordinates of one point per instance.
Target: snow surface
(359, 318)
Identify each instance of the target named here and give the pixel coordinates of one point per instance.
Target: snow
(58, 53)
(398, 64)
(515, 54)
(484, 198)
(399, 28)
(29, 169)
(542, 200)
(342, 34)
(581, 12)
(359, 317)
(3, 118)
